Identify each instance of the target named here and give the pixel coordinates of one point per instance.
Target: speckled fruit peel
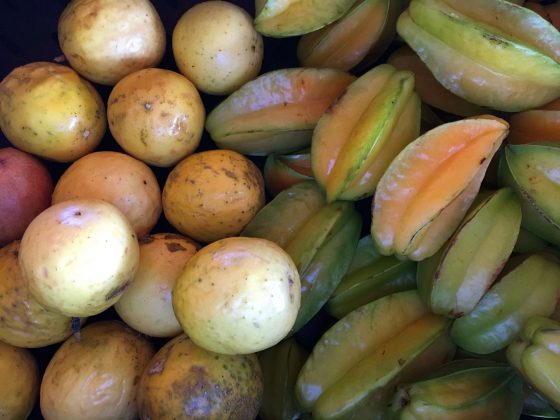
(186, 380)
(321, 245)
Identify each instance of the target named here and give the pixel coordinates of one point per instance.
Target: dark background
(28, 33)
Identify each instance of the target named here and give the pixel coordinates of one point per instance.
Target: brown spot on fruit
(230, 174)
(174, 246)
(146, 239)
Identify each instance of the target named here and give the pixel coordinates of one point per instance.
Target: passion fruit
(20, 382)
(146, 304)
(96, 377)
(185, 381)
(24, 322)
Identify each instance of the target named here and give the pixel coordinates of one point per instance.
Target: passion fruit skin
(127, 183)
(104, 40)
(78, 256)
(48, 110)
(96, 377)
(146, 305)
(186, 381)
(238, 295)
(24, 322)
(20, 382)
(213, 194)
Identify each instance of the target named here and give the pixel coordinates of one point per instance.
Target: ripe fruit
(78, 256)
(127, 183)
(238, 295)
(103, 48)
(156, 115)
(24, 322)
(20, 384)
(186, 381)
(146, 304)
(96, 377)
(47, 109)
(25, 187)
(213, 194)
(216, 46)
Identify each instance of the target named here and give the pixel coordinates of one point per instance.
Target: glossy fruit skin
(277, 111)
(48, 110)
(146, 305)
(529, 170)
(213, 194)
(363, 131)
(238, 295)
(283, 171)
(96, 376)
(356, 39)
(428, 188)
(355, 365)
(184, 380)
(216, 46)
(429, 89)
(61, 251)
(536, 125)
(535, 355)
(320, 237)
(500, 315)
(454, 280)
(464, 46)
(156, 115)
(462, 390)
(117, 178)
(101, 48)
(370, 277)
(24, 322)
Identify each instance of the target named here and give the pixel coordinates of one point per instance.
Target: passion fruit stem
(76, 327)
